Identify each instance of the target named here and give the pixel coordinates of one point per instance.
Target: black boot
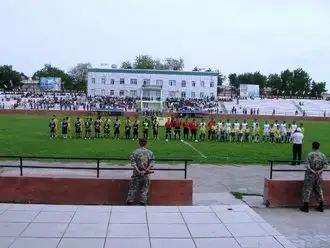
(320, 207)
(305, 207)
(130, 203)
(143, 204)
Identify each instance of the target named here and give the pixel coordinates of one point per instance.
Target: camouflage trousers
(139, 183)
(312, 183)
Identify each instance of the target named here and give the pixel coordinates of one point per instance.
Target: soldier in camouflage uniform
(316, 163)
(142, 161)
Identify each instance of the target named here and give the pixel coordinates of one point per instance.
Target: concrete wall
(288, 193)
(53, 190)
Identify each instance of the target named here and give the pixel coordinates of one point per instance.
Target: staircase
(224, 109)
(298, 106)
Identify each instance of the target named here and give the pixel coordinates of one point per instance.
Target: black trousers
(296, 153)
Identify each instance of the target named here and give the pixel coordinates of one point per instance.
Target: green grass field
(29, 135)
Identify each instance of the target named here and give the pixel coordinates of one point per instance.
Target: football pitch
(29, 135)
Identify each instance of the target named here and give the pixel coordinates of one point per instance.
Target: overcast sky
(232, 36)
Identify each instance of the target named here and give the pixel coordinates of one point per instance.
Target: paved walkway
(58, 226)
(212, 185)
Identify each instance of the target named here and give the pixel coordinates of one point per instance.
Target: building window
(93, 80)
(212, 94)
(159, 82)
(193, 95)
(211, 84)
(103, 80)
(112, 81)
(92, 92)
(122, 81)
(121, 93)
(172, 83)
(183, 94)
(183, 83)
(172, 93)
(157, 93)
(112, 92)
(133, 93)
(201, 95)
(146, 94)
(145, 105)
(146, 81)
(193, 83)
(202, 84)
(133, 81)
(103, 92)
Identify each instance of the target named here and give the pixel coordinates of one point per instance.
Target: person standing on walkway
(142, 160)
(297, 139)
(316, 163)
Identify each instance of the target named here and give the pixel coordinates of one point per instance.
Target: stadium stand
(263, 106)
(80, 101)
(315, 107)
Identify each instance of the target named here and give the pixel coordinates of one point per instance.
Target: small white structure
(151, 86)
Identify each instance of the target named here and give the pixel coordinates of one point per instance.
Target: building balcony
(152, 86)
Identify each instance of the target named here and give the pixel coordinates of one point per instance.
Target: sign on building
(248, 90)
(50, 83)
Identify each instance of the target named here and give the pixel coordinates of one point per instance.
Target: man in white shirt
(297, 139)
(283, 131)
(244, 125)
(266, 132)
(254, 124)
(236, 125)
(228, 126)
(219, 126)
(294, 126)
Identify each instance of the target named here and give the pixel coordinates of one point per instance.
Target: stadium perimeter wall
(131, 114)
(93, 191)
(279, 193)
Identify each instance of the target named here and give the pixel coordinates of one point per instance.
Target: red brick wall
(90, 191)
(222, 116)
(287, 193)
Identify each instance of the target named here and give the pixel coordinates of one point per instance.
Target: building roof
(145, 71)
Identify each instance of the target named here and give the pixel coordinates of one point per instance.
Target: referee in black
(297, 139)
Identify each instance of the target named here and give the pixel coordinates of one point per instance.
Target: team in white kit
(241, 131)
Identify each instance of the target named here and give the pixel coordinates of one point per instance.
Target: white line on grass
(194, 148)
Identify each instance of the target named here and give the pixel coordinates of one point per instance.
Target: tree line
(286, 83)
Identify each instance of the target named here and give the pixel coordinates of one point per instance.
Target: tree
(9, 78)
(260, 80)
(221, 78)
(79, 75)
(274, 82)
(286, 82)
(317, 89)
(301, 82)
(233, 82)
(50, 71)
(126, 65)
(158, 65)
(174, 64)
(144, 62)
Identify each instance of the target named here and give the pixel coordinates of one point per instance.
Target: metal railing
(288, 162)
(21, 166)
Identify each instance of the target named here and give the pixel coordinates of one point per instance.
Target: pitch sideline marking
(194, 148)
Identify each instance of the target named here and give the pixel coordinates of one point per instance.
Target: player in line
(212, 131)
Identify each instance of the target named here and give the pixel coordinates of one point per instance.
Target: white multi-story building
(151, 86)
